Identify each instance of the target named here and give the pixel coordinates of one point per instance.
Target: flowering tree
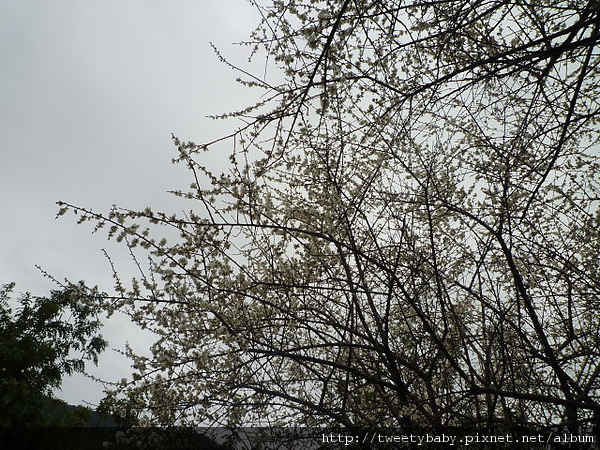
(407, 234)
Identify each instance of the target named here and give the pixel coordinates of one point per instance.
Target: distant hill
(61, 413)
(70, 427)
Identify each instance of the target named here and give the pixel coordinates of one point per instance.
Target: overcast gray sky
(89, 94)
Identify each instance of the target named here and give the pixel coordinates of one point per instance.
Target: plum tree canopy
(407, 233)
